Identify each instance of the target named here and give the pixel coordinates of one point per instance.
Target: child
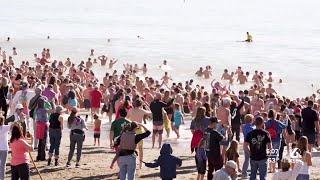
(168, 163)
(97, 129)
(213, 139)
(201, 159)
(166, 122)
(178, 119)
(232, 153)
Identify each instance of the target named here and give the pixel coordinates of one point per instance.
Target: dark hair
(71, 117)
(208, 109)
(271, 114)
(259, 121)
(123, 112)
(71, 95)
(138, 103)
(52, 80)
(16, 133)
(310, 103)
(130, 126)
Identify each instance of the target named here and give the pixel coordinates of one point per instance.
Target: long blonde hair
(303, 145)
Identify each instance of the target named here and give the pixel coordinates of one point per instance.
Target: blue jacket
(168, 163)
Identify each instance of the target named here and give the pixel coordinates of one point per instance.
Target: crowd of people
(38, 98)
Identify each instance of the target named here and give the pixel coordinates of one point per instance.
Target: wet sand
(95, 161)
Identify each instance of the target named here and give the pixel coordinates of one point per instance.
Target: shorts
(215, 163)
(275, 150)
(157, 129)
(87, 104)
(202, 167)
(167, 124)
(224, 143)
(311, 137)
(96, 135)
(177, 126)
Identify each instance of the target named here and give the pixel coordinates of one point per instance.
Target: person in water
(249, 37)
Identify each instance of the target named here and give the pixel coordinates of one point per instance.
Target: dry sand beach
(95, 161)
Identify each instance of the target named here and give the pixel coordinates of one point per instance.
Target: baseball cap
(231, 164)
(214, 120)
(19, 106)
(60, 109)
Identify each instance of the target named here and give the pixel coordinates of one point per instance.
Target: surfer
(249, 37)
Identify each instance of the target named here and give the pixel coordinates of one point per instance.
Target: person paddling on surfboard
(249, 37)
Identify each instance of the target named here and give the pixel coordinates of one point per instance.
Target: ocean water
(189, 34)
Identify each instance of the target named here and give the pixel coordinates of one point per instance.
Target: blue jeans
(245, 163)
(127, 167)
(75, 139)
(55, 139)
(262, 166)
(3, 161)
(303, 177)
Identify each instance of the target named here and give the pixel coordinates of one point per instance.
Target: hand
(111, 166)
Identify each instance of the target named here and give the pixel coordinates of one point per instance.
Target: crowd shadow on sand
(107, 176)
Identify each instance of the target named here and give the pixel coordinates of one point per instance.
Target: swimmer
(166, 78)
(91, 52)
(225, 75)
(280, 81)
(68, 62)
(270, 79)
(136, 68)
(207, 72)
(89, 63)
(8, 39)
(249, 37)
(48, 37)
(270, 90)
(242, 78)
(139, 37)
(247, 74)
(48, 55)
(36, 58)
(109, 40)
(165, 63)
(14, 51)
(144, 69)
(238, 71)
(112, 62)
(103, 59)
(199, 73)
(11, 62)
(255, 76)
(4, 56)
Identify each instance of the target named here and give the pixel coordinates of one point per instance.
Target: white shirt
(291, 174)
(4, 137)
(221, 175)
